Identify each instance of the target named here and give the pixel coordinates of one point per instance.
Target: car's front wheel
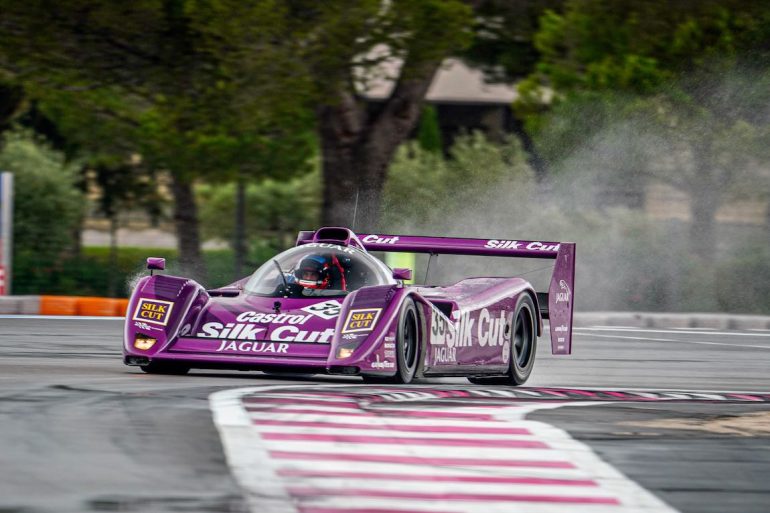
(407, 346)
(407, 343)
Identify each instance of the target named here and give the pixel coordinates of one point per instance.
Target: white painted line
(690, 332)
(336, 471)
(699, 342)
(64, 317)
(601, 326)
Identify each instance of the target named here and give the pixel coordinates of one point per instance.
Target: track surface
(81, 432)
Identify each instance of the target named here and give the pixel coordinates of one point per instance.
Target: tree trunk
(703, 210)
(704, 189)
(358, 146)
(239, 237)
(354, 176)
(113, 256)
(187, 230)
(11, 98)
(705, 193)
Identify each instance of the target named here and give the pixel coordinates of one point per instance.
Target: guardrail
(108, 307)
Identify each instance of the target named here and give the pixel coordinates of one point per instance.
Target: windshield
(318, 270)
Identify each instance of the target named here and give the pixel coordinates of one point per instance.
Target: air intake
(339, 236)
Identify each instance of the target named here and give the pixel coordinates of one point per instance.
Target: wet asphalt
(81, 432)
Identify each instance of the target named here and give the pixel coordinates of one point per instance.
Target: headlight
(143, 342)
(344, 352)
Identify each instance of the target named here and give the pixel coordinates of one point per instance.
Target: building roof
(455, 82)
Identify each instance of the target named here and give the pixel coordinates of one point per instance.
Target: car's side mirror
(225, 292)
(402, 273)
(156, 264)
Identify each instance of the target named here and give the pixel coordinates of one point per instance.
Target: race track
(81, 432)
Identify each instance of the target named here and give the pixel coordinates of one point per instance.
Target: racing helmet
(313, 272)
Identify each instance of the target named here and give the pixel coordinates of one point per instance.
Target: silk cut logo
(154, 311)
(361, 319)
(326, 310)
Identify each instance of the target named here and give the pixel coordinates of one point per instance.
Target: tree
(337, 49)
(47, 205)
(504, 49)
(181, 108)
(692, 72)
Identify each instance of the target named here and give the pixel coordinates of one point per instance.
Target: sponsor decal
(145, 326)
(389, 354)
(376, 239)
(444, 355)
(293, 334)
(241, 331)
(377, 364)
(326, 310)
(561, 328)
(232, 330)
(361, 319)
(506, 352)
(330, 246)
(274, 318)
(515, 244)
(350, 336)
(564, 293)
(154, 311)
(252, 347)
(480, 325)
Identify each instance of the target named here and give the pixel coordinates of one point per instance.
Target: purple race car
(329, 306)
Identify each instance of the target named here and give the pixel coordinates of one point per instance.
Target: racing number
(438, 328)
(327, 310)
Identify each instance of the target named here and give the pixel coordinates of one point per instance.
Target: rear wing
(555, 305)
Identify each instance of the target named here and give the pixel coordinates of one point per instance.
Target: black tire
(523, 347)
(523, 341)
(407, 347)
(165, 368)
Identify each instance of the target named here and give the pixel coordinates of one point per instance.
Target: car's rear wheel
(407, 347)
(156, 367)
(523, 341)
(523, 347)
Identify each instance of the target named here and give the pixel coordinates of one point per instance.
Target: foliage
(47, 203)
(429, 131)
(676, 93)
(88, 274)
(423, 186)
(275, 210)
(504, 31)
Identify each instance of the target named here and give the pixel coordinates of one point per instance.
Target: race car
(328, 305)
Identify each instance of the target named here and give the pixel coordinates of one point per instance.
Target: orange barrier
(87, 306)
(96, 306)
(58, 305)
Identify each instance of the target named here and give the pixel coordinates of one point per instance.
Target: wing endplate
(561, 299)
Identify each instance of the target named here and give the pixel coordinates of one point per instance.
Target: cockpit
(318, 270)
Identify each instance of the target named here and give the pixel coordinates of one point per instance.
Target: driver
(318, 271)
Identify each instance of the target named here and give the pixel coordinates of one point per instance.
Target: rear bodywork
(465, 328)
